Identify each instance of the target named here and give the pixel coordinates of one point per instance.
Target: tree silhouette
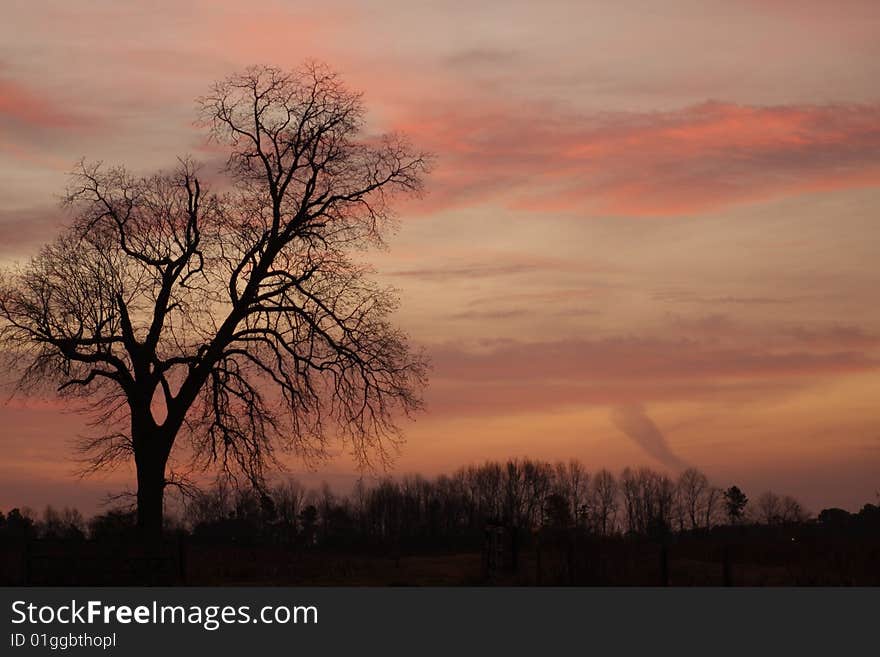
(237, 319)
(735, 503)
(769, 508)
(693, 486)
(557, 511)
(604, 502)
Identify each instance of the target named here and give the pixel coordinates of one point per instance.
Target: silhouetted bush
(114, 524)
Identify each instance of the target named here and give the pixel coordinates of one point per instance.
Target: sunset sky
(650, 238)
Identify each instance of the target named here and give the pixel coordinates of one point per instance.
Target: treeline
(525, 494)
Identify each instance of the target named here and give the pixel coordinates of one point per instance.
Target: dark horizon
(516, 523)
(312, 489)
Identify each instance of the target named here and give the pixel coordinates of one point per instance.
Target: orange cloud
(511, 376)
(685, 161)
(25, 107)
(27, 229)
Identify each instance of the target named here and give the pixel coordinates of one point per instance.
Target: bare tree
(288, 497)
(712, 507)
(649, 500)
(792, 511)
(769, 508)
(240, 320)
(692, 487)
(525, 485)
(572, 482)
(68, 523)
(604, 502)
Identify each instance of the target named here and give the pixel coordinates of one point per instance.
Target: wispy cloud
(24, 230)
(24, 106)
(511, 376)
(683, 161)
(489, 266)
(641, 429)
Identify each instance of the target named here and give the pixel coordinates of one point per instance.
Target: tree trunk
(151, 493)
(150, 458)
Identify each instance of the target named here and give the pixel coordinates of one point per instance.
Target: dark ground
(777, 558)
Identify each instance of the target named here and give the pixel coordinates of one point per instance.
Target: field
(777, 560)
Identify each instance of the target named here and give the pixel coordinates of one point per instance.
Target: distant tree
(557, 511)
(248, 506)
(209, 506)
(629, 488)
(604, 502)
(537, 477)
(693, 486)
(288, 497)
(268, 510)
(869, 515)
(835, 518)
(712, 506)
(240, 320)
(735, 502)
(114, 524)
(525, 484)
(51, 525)
(66, 524)
(325, 506)
(19, 523)
(572, 481)
(338, 527)
(649, 501)
(769, 508)
(772, 509)
(308, 520)
(662, 517)
(791, 511)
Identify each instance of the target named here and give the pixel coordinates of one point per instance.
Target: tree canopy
(237, 317)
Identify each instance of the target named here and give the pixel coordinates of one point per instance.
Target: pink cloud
(686, 161)
(27, 229)
(510, 376)
(23, 106)
(34, 129)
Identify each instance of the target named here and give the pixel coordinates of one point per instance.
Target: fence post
(514, 548)
(664, 565)
(725, 566)
(26, 558)
(181, 557)
(538, 561)
(485, 554)
(569, 558)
